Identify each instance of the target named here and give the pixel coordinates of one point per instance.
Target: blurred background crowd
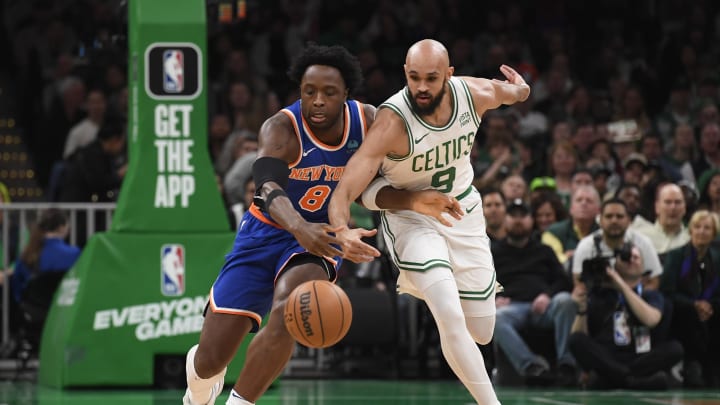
(624, 100)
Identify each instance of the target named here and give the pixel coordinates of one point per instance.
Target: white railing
(16, 221)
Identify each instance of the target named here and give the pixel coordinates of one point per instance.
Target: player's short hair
(334, 56)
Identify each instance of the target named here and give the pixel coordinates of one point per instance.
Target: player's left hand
(317, 239)
(434, 204)
(513, 77)
(352, 246)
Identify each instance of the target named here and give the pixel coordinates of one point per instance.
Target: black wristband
(581, 313)
(278, 192)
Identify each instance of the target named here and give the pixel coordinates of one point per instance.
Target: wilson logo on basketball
(305, 312)
(317, 314)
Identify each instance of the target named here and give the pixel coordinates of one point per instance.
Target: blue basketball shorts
(261, 252)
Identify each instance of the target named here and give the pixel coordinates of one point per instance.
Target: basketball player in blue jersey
(421, 140)
(284, 239)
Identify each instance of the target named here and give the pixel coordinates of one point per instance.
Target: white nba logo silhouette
(173, 66)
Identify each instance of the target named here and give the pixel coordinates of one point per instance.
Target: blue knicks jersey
(318, 168)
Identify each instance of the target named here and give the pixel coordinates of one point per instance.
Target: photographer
(613, 235)
(612, 334)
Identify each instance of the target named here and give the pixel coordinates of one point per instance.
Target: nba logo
(173, 71)
(172, 270)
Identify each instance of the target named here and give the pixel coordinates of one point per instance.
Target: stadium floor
(318, 392)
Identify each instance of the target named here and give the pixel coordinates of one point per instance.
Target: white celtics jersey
(439, 157)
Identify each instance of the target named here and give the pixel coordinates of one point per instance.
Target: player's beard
(434, 101)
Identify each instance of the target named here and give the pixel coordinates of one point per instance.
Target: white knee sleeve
(481, 328)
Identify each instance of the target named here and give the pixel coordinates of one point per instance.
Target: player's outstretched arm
(491, 94)
(278, 146)
(384, 137)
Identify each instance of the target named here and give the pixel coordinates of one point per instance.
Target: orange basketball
(318, 314)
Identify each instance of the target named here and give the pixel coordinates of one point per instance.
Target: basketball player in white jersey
(421, 139)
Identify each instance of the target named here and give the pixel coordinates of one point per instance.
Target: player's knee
(481, 329)
(482, 337)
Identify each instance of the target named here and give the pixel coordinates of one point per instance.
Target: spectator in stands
(612, 336)
(613, 235)
(651, 146)
(245, 154)
(630, 194)
(86, 130)
(536, 293)
(581, 177)
(496, 160)
(677, 111)
(561, 131)
(579, 111)
(709, 149)
(530, 122)
(668, 232)
(237, 205)
(624, 136)
(691, 195)
(494, 209)
(682, 151)
(547, 209)
(233, 148)
(45, 252)
(709, 188)
(708, 112)
(245, 107)
(91, 173)
(514, 186)
(600, 179)
(542, 184)
(564, 236)
(563, 161)
(634, 167)
(66, 112)
(633, 108)
(583, 137)
(601, 151)
(220, 128)
(691, 281)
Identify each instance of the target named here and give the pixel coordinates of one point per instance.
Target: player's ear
(450, 71)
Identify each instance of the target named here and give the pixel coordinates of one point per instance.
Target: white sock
(237, 399)
(200, 388)
(458, 346)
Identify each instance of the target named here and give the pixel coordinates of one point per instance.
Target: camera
(624, 253)
(594, 271)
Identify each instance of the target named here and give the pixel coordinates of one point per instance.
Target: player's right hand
(353, 248)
